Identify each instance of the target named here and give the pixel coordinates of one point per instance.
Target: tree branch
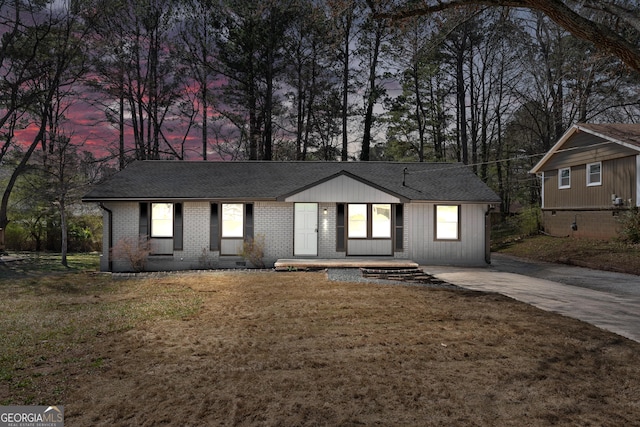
(603, 37)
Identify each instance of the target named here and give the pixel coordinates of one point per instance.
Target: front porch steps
(410, 275)
(318, 264)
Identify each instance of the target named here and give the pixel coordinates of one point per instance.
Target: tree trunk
(372, 95)
(64, 231)
(461, 101)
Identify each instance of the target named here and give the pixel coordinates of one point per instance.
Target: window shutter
(177, 226)
(248, 221)
(340, 231)
(143, 228)
(214, 228)
(399, 228)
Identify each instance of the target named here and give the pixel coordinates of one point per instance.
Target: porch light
(324, 212)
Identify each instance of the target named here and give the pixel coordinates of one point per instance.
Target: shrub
(134, 250)
(205, 260)
(253, 251)
(630, 221)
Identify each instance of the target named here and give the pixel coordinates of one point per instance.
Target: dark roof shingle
(145, 180)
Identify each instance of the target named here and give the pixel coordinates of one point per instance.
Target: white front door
(306, 229)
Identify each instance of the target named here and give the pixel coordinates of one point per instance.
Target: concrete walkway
(610, 301)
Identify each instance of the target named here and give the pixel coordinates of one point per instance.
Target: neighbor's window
(357, 221)
(447, 222)
(564, 178)
(594, 174)
(232, 220)
(381, 221)
(161, 219)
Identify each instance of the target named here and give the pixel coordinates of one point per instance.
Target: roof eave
(573, 129)
(403, 199)
(608, 138)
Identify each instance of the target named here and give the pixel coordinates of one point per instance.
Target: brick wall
(274, 221)
(602, 224)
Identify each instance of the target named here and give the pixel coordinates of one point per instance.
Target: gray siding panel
(424, 249)
(274, 221)
(362, 247)
(343, 189)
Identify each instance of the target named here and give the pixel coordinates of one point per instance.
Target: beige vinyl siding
(618, 177)
(583, 148)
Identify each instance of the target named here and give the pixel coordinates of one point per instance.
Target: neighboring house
(589, 178)
(197, 214)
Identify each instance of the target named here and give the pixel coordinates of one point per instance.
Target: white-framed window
(161, 219)
(381, 221)
(594, 174)
(369, 221)
(357, 221)
(447, 222)
(232, 220)
(564, 178)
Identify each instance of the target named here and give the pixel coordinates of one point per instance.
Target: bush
(134, 250)
(524, 224)
(85, 233)
(17, 238)
(253, 251)
(630, 222)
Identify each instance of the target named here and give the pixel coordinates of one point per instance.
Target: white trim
(560, 186)
(542, 190)
(608, 138)
(573, 129)
(588, 174)
(638, 180)
(553, 149)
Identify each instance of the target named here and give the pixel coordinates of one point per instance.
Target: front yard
(247, 348)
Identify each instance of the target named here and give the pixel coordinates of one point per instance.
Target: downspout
(487, 234)
(110, 237)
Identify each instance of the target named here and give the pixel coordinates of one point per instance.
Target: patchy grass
(246, 348)
(598, 254)
(38, 263)
(49, 324)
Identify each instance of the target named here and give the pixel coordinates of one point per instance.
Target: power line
(521, 157)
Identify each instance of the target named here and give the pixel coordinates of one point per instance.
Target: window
(381, 221)
(232, 220)
(357, 221)
(341, 245)
(369, 221)
(229, 225)
(161, 219)
(162, 222)
(564, 178)
(447, 222)
(594, 174)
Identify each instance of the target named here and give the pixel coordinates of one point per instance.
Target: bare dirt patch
(297, 349)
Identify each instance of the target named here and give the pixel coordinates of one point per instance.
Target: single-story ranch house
(198, 214)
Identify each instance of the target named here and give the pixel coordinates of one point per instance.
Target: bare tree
(616, 32)
(50, 50)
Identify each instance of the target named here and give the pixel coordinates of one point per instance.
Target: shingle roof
(628, 133)
(165, 180)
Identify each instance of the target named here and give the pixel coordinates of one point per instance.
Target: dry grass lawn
(289, 349)
(610, 255)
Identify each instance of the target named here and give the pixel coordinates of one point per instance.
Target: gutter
(110, 225)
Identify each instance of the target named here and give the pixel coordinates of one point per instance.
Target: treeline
(299, 79)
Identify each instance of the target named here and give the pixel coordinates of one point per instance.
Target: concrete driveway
(608, 300)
